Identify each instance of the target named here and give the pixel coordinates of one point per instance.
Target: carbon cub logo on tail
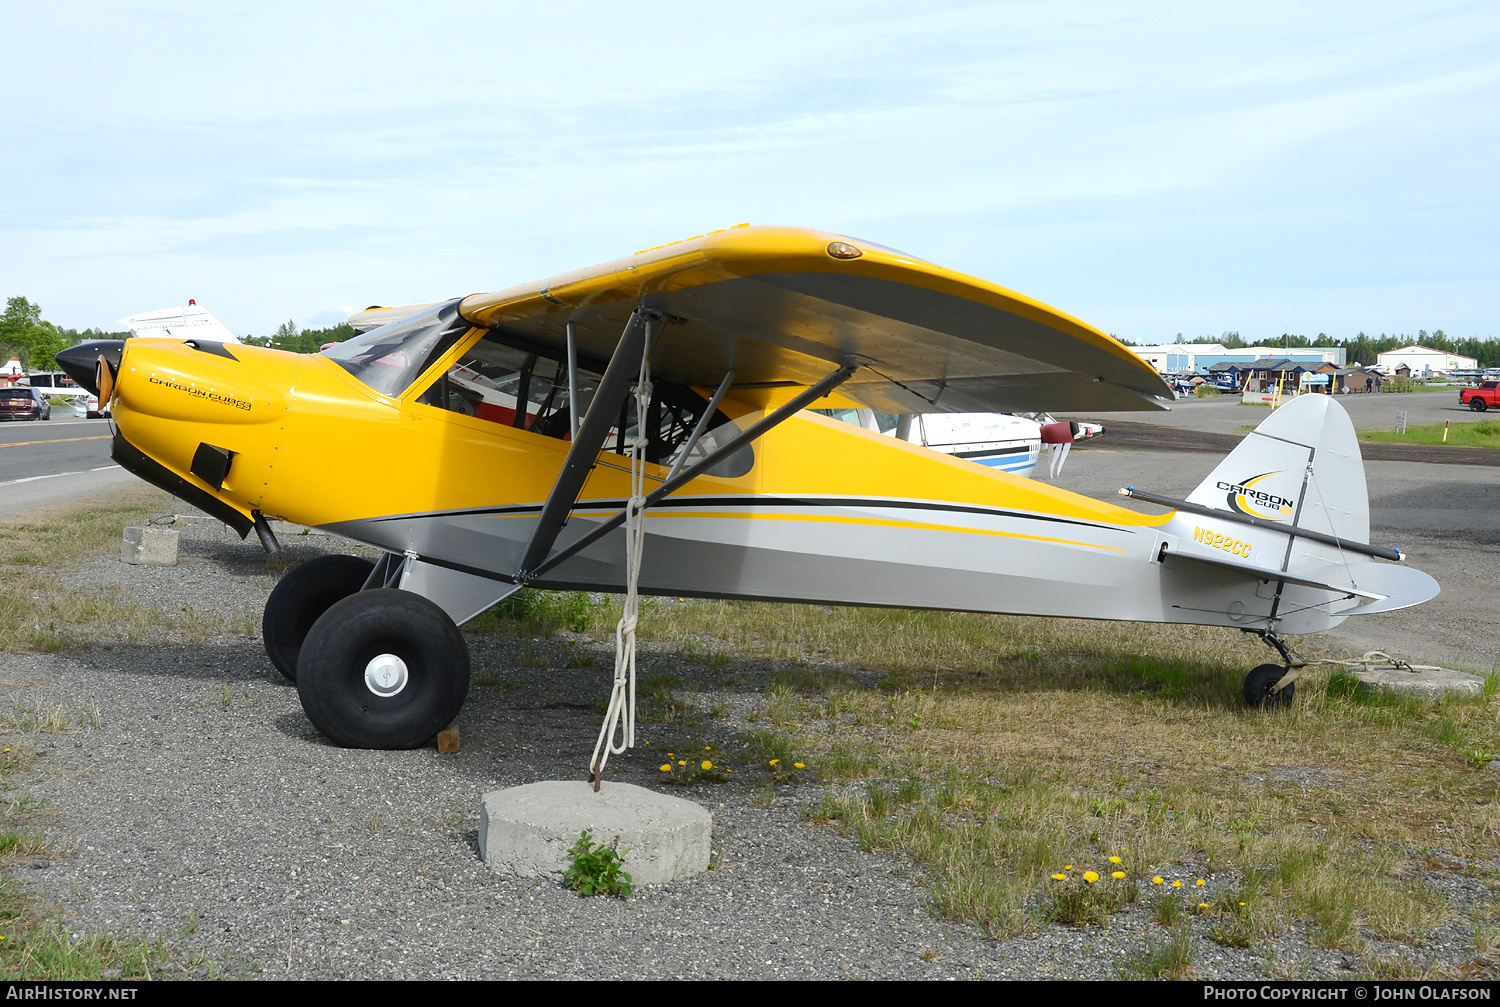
(1246, 499)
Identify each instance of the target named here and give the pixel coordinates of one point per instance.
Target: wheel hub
(386, 675)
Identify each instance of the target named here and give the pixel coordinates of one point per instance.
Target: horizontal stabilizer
(1385, 587)
(1402, 586)
(1261, 573)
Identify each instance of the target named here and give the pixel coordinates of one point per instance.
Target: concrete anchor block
(1430, 684)
(150, 546)
(526, 831)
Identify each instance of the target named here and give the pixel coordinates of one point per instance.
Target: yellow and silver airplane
(485, 443)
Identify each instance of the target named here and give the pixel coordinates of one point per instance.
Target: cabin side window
(520, 386)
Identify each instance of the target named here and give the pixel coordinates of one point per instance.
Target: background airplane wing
(782, 307)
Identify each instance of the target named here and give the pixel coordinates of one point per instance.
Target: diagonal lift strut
(685, 475)
(603, 413)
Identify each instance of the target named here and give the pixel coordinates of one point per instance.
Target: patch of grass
(657, 701)
(14, 842)
(769, 746)
(1078, 902)
(1233, 934)
(45, 950)
(996, 749)
(34, 945)
(37, 717)
(532, 612)
(1169, 959)
(37, 612)
(1168, 909)
(1483, 434)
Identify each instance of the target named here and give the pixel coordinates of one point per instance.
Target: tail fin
(1301, 466)
(191, 321)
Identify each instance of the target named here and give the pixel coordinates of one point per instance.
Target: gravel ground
(203, 809)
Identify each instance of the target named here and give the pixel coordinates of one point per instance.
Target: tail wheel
(383, 669)
(1258, 686)
(300, 598)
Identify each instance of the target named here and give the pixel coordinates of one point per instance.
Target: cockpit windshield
(390, 358)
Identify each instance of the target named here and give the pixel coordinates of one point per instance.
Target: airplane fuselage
(826, 512)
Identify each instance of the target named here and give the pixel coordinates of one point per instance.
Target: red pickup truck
(1481, 398)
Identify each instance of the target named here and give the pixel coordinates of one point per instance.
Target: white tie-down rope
(1379, 660)
(619, 719)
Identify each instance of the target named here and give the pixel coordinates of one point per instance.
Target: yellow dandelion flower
(708, 748)
(728, 770)
(1090, 877)
(682, 762)
(666, 767)
(645, 742)
(1118, 874)
(1156, 881)
(1241, 903)
(707, 764)
(1059, 877)
(1203, 905)
(1069, 867)
(1200, 882)
(671, 755)
(1114, 860)
(1177, 884)
(798, 765)
(775, 762)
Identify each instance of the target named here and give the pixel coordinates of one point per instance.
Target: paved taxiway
(64, 458)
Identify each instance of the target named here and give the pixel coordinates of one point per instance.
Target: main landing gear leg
(1272, 686)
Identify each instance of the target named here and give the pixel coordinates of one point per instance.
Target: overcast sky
(1151, 168)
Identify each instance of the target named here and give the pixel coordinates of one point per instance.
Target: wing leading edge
(776, 306)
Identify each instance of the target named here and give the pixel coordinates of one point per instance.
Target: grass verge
(38, 612)
(998, 752)
(35, 944)
(1479, 434)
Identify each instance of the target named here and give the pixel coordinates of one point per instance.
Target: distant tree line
(1366, 349)
(35, 341)
(294, 340)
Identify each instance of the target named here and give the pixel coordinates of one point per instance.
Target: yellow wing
(781, 307)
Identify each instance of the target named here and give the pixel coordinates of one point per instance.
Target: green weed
(597, 869)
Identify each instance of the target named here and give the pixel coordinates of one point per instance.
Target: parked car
(22, 403)
(1481, 398)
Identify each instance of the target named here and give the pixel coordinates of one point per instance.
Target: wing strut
(686, 475)
(702, 424)
(604, 412)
